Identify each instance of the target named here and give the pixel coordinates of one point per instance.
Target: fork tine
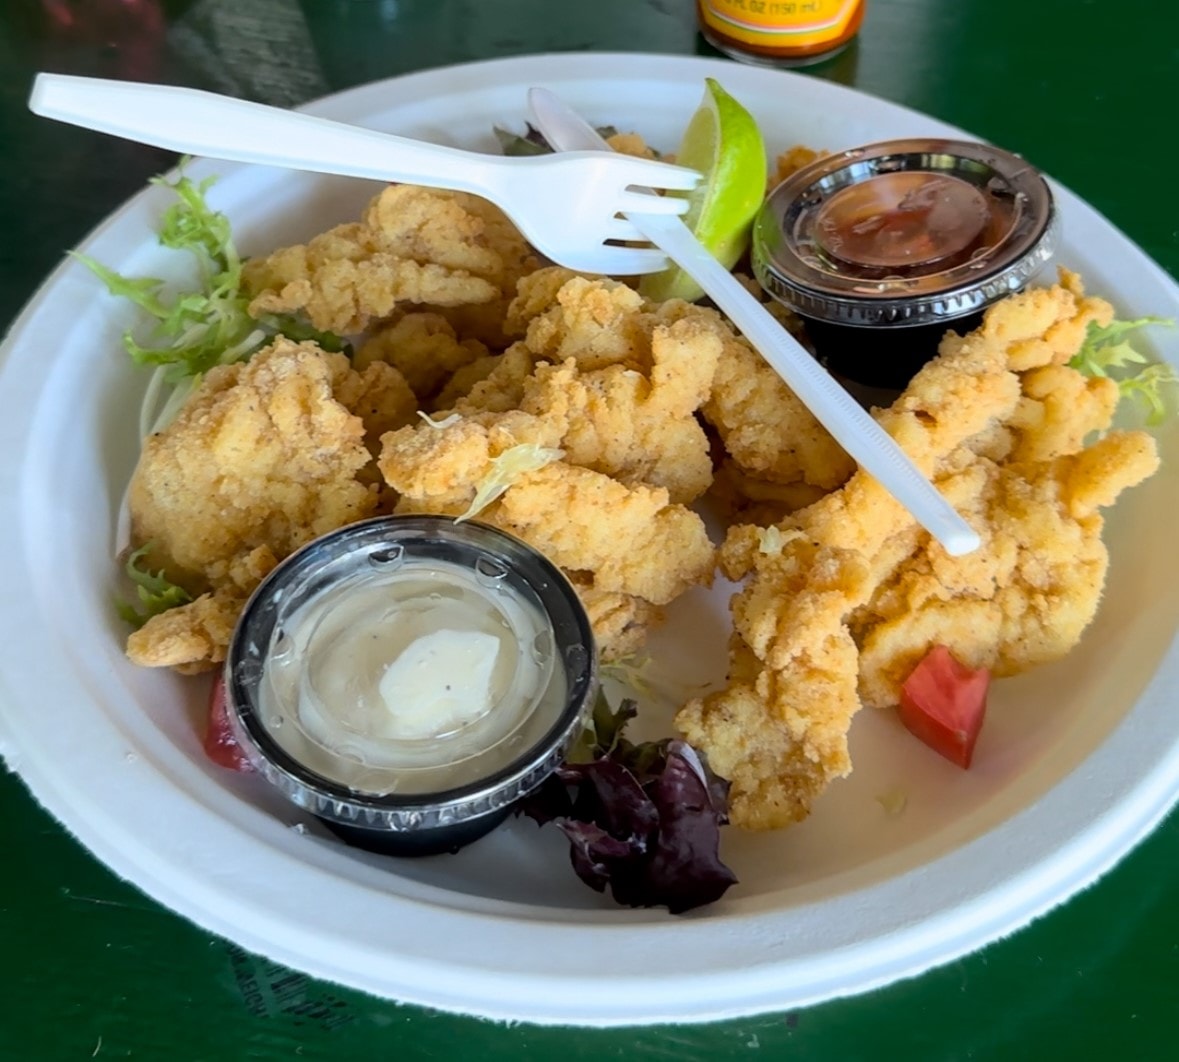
(645, 203)
(621, 229)
(649, 173)
(624, 261)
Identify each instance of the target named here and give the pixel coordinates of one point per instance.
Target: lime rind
(723, 141)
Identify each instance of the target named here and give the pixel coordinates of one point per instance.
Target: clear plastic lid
(904, 232)
(348, 603)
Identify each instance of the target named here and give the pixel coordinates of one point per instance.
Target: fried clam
(264, 456)
(843, 597)
(414, 247)
(588, 426)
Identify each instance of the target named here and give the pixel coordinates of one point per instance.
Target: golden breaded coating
(597, 322)
(845, 596)
(766, 429)
(535, 294)
(424, 348)
(380, 397)
(501, 388)
(634, 144)
(628, 424)
(780, 737)
(631, 539)
(1028, 593)
(1059, 408)
(263, 453)
(190, 638)
(741, 498)
(793, 159)
(629, 378)
(262, 458)
(636, 428)
(620, 622)
(414, 245)
(777, 456)
(438, 468)
(462, 381)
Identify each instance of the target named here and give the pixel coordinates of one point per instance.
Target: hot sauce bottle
(780, 32)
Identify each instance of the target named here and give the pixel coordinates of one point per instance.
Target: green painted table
(92, 968)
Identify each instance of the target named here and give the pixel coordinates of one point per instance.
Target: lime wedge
(723, 142)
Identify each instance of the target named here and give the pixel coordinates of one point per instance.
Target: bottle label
(790, 24)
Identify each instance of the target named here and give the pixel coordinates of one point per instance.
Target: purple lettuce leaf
(643, 819)
(685, 867)
(532, 141)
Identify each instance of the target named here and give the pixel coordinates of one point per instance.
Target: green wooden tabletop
(92, 968)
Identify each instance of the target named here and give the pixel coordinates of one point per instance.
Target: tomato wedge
(220, 744)
(943, 703)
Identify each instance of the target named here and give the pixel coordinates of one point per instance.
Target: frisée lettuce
(193, 331)
(154, 591)
(1107, 352)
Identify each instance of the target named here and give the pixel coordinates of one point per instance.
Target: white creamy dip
(418, 679)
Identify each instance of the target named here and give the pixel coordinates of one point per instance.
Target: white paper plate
(1077, 761)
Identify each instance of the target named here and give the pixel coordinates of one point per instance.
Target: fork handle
(190, 121)
(859, 434)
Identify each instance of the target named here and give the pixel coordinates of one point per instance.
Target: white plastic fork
(566, 205)
(876, 452)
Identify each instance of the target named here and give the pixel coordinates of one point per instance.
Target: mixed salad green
(198, 329)
(1107, 352)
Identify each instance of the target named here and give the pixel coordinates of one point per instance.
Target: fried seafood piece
(418, 246)
(780, 735)
(845, 596)
(744, 499)
(191, 638)
(379, 395)
(635, 428)
(630, 540)
(777, 456)
(625, 376)
(439, 468)
(596, 320)
(462, 381)
(263, 457)
(766, 430)
(593, 332)
(629, 549)
(793, 159)
(424, 348)
(599, 322)
(501, 388)
(578, 517)
(620, 622)
(1027, 595)
(634, 144)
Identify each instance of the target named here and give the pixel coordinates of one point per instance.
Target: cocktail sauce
(882, 248)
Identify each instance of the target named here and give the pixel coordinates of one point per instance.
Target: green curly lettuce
(155, 592)
(1107, 352)
(194, 331)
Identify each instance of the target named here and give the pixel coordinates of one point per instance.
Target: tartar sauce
(420, 678)
(408, 679)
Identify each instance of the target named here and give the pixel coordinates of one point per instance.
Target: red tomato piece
(943, 703)
(220, 744)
